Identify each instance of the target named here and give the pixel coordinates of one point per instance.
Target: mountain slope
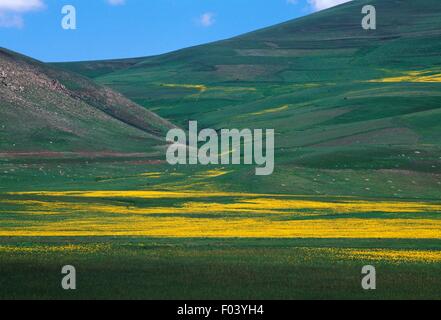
(48, 109)
(345, 96)
(95, 69)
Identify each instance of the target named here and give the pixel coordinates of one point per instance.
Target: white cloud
(324, 4)
(207, 19)
(11, 11)
(20, 5)
(116, 2)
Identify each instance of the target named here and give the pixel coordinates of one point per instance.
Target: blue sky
(130, 28)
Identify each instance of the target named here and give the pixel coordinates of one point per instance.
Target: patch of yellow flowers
(199, 214)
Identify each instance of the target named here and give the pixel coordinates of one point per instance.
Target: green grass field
(116, 263)
(143, 268)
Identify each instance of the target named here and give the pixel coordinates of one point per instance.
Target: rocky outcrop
(7, 82)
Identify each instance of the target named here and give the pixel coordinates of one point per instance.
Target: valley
(84, 179)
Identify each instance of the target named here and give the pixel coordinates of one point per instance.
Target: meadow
(143, 232)
(195, 268)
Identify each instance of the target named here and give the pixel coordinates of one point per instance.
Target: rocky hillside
(44, 109)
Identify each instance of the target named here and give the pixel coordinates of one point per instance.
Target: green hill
(46, 109)
(338, 96)
(349, 102)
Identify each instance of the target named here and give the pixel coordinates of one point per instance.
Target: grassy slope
(309, 79)
(46, 109)
(94, 69)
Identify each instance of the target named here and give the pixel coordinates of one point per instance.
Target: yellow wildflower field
(413, 76)
(216, 214)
